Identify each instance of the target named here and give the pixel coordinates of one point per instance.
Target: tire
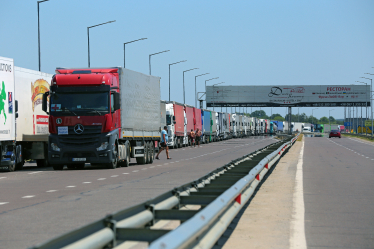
(19, 166)
(113, 165)
(58, 166)
(126, 163)
(12, 168)
(175, 143)
(41, 163)
(151, 152)
(143, 160)
(179, 143)
(329, 137)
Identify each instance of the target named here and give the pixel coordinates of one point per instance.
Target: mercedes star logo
(78, 129)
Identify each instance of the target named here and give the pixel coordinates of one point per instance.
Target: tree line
(303, 118)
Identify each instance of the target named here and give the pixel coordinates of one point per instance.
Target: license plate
(79, 159)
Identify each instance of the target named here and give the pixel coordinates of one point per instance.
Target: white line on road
(135, 170)
(3, 203)
(144, 169)
(125, 173)
(114, 175)
(70, 186)
(2, 177)
(35, 172)
(100, 179)
(86, 182)
(51, 191)
(28, 196)
(177, 161)
(166, 163)
(151, 167)
(297, 238)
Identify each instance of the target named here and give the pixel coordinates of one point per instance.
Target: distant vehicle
(319, 128)
(307, 129)
(335, 133)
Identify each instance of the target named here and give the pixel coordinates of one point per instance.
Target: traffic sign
(347, 123)
(368, 123)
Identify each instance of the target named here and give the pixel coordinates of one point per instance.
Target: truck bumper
(78, 153)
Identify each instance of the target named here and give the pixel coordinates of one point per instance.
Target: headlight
(103, 146)
(55, 147)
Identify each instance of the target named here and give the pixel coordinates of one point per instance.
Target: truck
(198, 123)
(32, 125)
(234, 125)
(206, 126)
(8, 115)
(189, 123)
(175, 116)
(214, 130)
(279, 125)
(102, 116)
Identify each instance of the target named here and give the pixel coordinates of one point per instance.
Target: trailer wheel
(151, 152)
(143, 160)
(58, 166)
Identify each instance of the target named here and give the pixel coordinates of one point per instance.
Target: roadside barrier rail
(220, 194)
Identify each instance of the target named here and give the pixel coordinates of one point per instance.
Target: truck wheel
(71, 166)
(80, 166)
(58, 166)
(40, 163)
(19, 166)
(151, 150)
(11, 168)
(113, 165)
(126, 163)
(143, 160)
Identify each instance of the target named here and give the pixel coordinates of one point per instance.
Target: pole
(150, 73)
(169, 84)
(38, 37)
(184, 98)
(88, 37)
(169, 76)
(124, 55)
(289, 120)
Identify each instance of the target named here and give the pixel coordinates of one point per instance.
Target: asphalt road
(339, 192)
(38, 204)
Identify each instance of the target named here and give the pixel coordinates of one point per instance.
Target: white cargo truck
(8, 110)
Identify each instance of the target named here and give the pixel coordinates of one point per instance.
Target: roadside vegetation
(367, 138)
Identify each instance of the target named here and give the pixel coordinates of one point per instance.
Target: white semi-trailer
(8, 109)
(32, 123)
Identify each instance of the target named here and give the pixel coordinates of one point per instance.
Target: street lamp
(195, 87)
(371, 102)
(88, 36)
(184, 96)
(150, 73)
(39, 32)
(366, 103)
(329, 118)
(169, 74)
(214, 102)
(298, 114)
(312, 113)
(205, 89)
(124, 50)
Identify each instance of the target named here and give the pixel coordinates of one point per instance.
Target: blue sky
(241, 42)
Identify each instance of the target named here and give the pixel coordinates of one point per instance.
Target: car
(335, 133)
(307, 129)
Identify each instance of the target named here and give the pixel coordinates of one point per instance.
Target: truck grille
(89, 129)
(79, 140)
(76, 154)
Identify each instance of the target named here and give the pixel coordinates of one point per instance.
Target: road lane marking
(297, 238)
(36, 172)
(166, 163)
(70, 186)
(151, 167)
(86, 182)
(3, 203)
(3, 177)
(51, 191)
(177, 161)
(28, 196)
(100, 179)
(114, 175)
(125, 173)
(144, 169)
(135, 170)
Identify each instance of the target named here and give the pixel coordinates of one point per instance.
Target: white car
(307, 129)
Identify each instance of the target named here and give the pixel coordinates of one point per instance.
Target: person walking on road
(198, 137)
(164, 140)
(192, 137)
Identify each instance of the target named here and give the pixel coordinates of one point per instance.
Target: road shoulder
(265, 221)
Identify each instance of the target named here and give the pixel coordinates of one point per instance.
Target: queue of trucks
(101, 116)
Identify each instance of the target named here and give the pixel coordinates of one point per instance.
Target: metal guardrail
(221, 194)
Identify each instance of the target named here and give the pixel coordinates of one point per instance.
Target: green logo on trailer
(2, 101)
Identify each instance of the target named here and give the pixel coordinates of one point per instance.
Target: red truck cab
(84, 121)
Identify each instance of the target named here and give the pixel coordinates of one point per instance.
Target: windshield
(91, 103)
(334, 131)
(168, 119)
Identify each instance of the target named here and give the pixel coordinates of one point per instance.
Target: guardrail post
(110, 223)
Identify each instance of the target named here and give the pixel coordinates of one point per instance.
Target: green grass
(357, 136)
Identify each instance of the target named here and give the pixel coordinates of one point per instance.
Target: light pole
(371, 102)
(184, 96)
(214, 102)
(298, 114)
(150, 72)
(195, 87)
(205, 90)
(88, 37)
(329, 118)
(169, 73)
(39, 32)
(124, 50)
(366, 103)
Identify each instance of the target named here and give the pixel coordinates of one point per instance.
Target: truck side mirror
(45, 102)
(117, 101)
(16, 108)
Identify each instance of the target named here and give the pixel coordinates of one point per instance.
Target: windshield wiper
(94, 110)
(66, 109)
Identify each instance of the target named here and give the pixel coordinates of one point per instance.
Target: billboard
(288, 95)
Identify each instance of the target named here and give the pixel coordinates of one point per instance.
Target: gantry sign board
(297, 95)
